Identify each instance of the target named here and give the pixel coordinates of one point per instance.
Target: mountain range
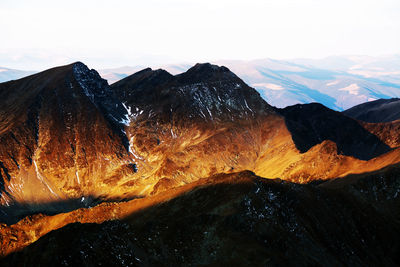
(11, 74)
(190, 169)
(338, 82)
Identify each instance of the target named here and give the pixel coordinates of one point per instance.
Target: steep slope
(62, 137)
(196, 124)
(382, 110)
(237, 219)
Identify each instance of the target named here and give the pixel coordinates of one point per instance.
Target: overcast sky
(44, 33)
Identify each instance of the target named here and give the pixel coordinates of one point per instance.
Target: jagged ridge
(205, 91)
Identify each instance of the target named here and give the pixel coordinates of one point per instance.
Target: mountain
(382, 110)
(176, 120)
(205, 91)
(11, 74)
(337, 82)
(61, 139)
(284, 83)
(73, 141)
(237, 219)
(74, 149)
(386, 67)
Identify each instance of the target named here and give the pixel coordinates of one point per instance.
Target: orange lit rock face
(194, 125)
(68, 139)
(60, 137)
(207, 121)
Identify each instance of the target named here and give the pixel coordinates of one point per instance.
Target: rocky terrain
(167, 157)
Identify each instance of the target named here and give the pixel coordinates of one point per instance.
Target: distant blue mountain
(11, 74)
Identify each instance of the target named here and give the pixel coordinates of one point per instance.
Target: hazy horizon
(42, 34)
(152, 64)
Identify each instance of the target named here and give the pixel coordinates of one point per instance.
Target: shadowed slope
(243, 220)
(310, 124)
(381, 110)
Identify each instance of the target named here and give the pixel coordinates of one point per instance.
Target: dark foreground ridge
(243, 221)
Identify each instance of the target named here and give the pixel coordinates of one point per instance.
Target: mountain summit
(205, 91)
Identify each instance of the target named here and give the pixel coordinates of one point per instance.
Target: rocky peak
(206, 72)
(143, 82)
(90, 81)
(145, 76)
(205, 91)
(99, 92)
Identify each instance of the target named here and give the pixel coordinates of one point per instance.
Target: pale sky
(44, 33)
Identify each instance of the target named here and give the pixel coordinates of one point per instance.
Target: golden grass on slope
(321, 162)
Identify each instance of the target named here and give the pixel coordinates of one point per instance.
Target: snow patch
(247, 106)
(127, 119)
(374, 73)
(132, 151)
(77, 177)
(173, 134)
(270, 86)
(42, 179)
(332, 83)
(144, 189)
(352, 89)
(128, 109)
